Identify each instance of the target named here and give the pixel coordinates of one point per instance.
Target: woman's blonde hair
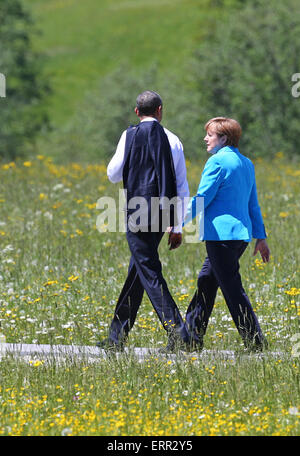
(226, 126)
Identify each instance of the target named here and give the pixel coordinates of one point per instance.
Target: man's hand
(261, 246)
(174, 241)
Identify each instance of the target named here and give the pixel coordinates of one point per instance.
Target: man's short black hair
(147, 102)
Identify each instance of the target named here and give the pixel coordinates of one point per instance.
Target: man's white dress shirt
(115, 167)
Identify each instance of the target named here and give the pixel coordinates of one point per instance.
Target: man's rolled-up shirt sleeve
(115, 166)
(182, 189)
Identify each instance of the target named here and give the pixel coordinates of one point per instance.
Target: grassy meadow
(59, 281)
(60, 277)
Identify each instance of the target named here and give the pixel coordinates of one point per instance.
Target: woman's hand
(262, 247)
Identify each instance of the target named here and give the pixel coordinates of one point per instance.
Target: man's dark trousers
(145, 273)
(221, 269)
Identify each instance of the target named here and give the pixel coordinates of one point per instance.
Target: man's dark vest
(148, 165)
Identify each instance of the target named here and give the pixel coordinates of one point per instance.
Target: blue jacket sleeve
(211, 179)
(258, 228)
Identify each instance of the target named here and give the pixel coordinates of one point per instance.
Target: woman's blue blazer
(231, 208)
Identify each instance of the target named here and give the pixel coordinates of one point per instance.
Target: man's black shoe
(110, 345)
(174, 345)
(194, 346)
(257, 345)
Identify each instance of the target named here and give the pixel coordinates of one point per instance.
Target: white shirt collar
(149, 119)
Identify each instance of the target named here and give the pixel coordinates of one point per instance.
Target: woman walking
(232, 217)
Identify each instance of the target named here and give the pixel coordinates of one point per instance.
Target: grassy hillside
(60, 277)
(83, 41)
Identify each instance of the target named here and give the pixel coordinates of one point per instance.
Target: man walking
(150, 160)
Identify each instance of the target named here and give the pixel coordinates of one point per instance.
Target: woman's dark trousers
(221, 269)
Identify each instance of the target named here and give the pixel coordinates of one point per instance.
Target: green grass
(59, 281)
(84, 41)
(158, 397)
(60, 278)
